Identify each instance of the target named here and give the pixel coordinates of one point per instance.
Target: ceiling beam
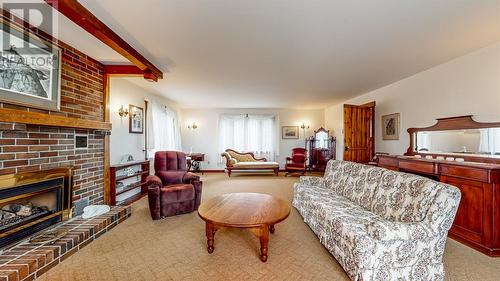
(77, 13)
(128, 70)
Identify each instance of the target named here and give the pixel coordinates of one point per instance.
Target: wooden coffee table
(255, 211)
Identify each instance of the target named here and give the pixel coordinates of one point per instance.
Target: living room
(250, 140)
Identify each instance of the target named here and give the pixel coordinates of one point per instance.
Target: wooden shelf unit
(114, 179)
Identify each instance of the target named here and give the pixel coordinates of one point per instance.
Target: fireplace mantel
(37, 118)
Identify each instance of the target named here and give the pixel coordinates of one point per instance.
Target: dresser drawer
(388, 162)
(476, 174)
(418, 166)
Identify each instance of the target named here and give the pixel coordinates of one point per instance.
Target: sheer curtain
(249, 133)
(163, 128)
(489, 141)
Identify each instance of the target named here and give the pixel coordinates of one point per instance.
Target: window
(489, 142)
(163, 128)
(249, 133)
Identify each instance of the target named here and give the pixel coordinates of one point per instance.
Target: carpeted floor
(175, 248)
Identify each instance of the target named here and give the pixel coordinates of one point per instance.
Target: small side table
(194, 164)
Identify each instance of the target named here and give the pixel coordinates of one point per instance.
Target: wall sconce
(193, 126)
(123, 112)
(303, 126)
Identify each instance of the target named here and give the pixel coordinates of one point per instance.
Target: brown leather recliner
(172, 190)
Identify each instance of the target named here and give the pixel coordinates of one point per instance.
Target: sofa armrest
(154, 185)
(381, 230)
(152, 181)
(190, 178)
(313, 181)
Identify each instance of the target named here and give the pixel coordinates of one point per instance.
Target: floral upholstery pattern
(243, 157)
(379, 224)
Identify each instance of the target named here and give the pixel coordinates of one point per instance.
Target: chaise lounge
(379, 224)
(242, 161)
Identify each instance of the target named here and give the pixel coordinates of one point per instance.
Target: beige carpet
(175, 249)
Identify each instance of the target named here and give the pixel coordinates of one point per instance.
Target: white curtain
(249, 133)
(489, 141)
(163, 128)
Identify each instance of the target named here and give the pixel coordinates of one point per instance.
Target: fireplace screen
(28, 208)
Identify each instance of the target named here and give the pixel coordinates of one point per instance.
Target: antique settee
(379, 224)
(172, 190)
(247, 161)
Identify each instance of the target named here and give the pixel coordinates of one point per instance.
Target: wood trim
(36, 118)
(123, 70)
(77, 13)
(107, 176)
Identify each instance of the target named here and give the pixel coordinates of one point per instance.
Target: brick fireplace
(29, 146)
(33, 201)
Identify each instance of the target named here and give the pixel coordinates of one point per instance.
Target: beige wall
(205, 137)
(467, 85)
(123, 92)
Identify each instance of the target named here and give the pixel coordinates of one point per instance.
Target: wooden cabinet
(128, 182)
(477, 223)
(321, 147)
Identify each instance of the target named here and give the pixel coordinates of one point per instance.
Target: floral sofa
(379, 224)
(247, 161)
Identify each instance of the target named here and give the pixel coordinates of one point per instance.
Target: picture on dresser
(390, 126)
(136, 119)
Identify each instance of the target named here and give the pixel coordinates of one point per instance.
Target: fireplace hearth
(31, 202)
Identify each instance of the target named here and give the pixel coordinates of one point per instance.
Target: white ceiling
(289, 53)
(70, 33)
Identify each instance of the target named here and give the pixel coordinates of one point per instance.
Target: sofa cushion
(403, 197)
(177, 193)
(361, 184)
(256, 165)
(337, 175)
(241, 157)
(343, 225)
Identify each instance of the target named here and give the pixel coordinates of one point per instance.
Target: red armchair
(172, 190)
(296, 163)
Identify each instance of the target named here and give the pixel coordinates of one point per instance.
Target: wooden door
(359, 134)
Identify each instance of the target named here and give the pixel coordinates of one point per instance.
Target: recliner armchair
(172, 190)
(296, 163)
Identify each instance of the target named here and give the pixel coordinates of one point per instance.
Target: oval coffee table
(255, 211)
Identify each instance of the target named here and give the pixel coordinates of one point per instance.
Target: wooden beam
(128, 70)
(107, 176)
(77, 13)
(122, 70)
(36, 118)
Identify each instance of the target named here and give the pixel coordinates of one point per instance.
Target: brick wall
(25, 147)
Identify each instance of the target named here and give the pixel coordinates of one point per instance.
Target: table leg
(271, 229)
(210, 233)
(264, 242)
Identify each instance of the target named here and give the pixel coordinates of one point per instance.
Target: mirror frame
(448, 124)
(320, 130)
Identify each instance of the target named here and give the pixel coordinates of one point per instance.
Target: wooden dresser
(477, 223)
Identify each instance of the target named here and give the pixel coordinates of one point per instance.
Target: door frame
(370, 105)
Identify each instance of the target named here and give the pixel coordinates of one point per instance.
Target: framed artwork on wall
(290, 132)
(135, 119)
(390, 126)
(29, 69)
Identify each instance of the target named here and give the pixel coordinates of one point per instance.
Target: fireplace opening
(28, 205)
(28, 208)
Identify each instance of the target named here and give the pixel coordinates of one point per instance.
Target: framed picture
(29, 69)
(390, 126)
(290, 132)
(135, 119)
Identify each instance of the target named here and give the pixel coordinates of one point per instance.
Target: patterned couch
(247, 161)
(379, 224)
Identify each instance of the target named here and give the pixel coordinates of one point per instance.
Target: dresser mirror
(457, 137)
